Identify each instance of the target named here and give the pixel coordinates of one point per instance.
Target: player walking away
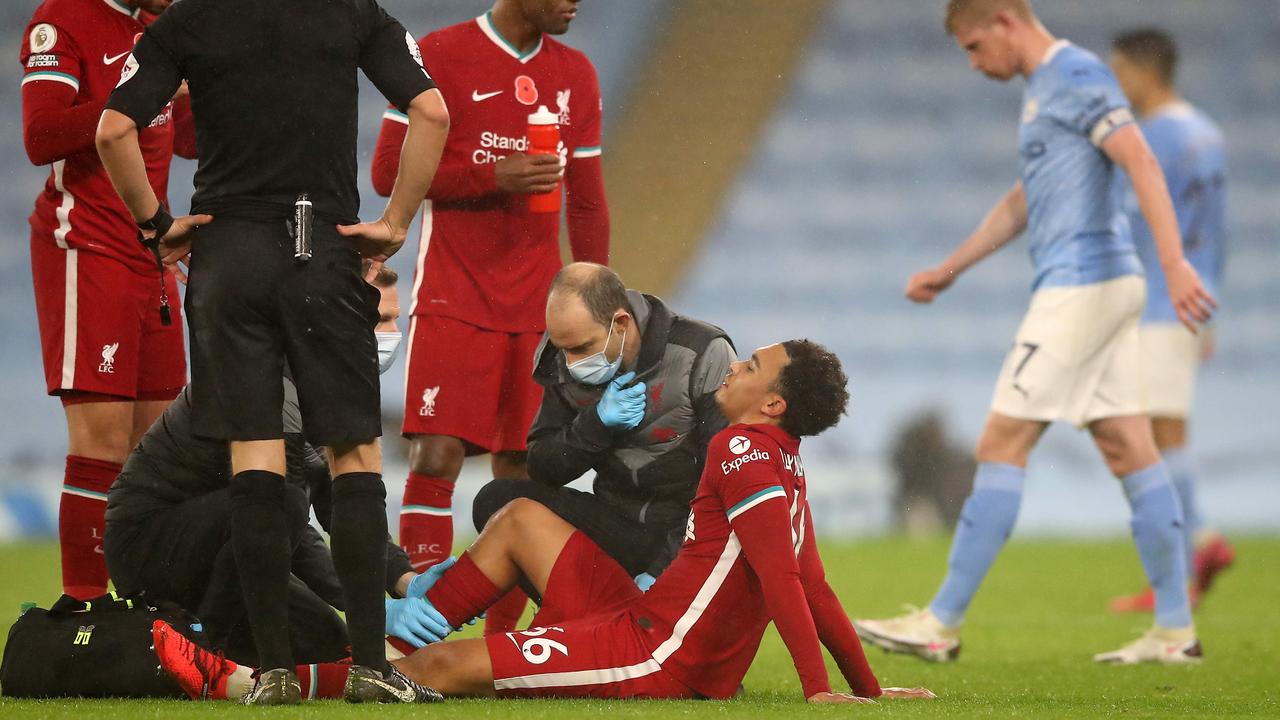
(484, 261)
(1076, 357)
(275, 278)
(108, 354)
(1190, 149)
(749, 557)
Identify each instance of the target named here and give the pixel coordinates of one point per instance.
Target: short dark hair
(599, 287)
(1151, 48)
(814, 386)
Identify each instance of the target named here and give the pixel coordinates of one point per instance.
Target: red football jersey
(707, 610)
(483, 258)
(84, 45)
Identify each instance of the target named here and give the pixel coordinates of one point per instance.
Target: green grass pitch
(1028, 641)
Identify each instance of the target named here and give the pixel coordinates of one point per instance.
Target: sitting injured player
(749, 557)
(168, 530)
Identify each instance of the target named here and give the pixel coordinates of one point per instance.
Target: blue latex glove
(424, 581)
(415, 621)
(622, 407)
(644, 581)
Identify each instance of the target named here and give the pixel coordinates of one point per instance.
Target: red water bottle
(544, 139)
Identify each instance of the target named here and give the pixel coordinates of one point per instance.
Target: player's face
(550, 16)
(388, 309)
(748, 388)
(155, 7)
(575, 332)
(989, 49)
(1134, 80)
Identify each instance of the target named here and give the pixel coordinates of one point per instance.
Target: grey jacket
(650, 473)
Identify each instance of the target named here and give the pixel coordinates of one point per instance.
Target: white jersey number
(537, 649)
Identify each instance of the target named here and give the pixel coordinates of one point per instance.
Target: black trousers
(184, 554)
(637, 547)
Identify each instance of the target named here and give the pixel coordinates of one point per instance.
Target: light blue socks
(1182, 472)
(1158, 532)
(985, 524)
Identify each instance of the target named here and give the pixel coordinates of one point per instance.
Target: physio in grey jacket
(628, 393)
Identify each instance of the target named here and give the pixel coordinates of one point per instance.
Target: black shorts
(251, 307)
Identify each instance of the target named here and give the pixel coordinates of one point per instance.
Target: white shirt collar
(1053, 51)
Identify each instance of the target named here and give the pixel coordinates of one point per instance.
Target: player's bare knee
(518, 516)
(439, 456)
(510, 465)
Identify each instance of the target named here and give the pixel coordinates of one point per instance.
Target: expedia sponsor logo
(728, 466)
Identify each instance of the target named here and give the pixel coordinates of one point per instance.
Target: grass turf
(1028, 641)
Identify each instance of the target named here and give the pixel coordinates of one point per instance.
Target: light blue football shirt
(1076, 224)
(1193, 156)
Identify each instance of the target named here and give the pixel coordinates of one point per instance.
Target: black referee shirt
(274, 96)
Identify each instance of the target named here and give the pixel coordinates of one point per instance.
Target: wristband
(161, 222)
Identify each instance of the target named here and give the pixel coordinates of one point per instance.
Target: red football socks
(323, 680)
(503, 615)
(426, 520)
(80, 525)
(463, 592)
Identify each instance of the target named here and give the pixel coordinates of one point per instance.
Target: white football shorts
(1077, 356)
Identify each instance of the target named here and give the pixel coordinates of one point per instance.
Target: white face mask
(388, 344)
(596, 369)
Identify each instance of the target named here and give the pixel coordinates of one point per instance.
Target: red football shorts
(100, 327)
(471, 383)
(583, 642)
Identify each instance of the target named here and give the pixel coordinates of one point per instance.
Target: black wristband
(161, 222)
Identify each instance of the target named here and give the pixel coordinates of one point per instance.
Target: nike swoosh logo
(109, 60)
(406, 695)
(476, 95)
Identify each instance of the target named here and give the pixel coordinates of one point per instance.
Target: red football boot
(1210, 559)
(201, 674)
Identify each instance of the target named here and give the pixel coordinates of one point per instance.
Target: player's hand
(924, 286)
(182, 91)
(519, 173)
(826, 697)
(1191, 301)
(907, 693)
(377, 240)
(426, 580)
(176, 244)
(622, 407)
(415, 621)
(181, 267)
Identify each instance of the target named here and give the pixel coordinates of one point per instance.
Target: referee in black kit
(275, 275)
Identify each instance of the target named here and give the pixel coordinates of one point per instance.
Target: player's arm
(53, 125)
(391, 60)
(759, 514)
(587, 210)
(1127, 148)
(150, 79)
(762, 523)
(1005, 222)
(565, 442)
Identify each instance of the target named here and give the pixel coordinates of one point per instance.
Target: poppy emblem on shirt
(739, 444)
(130, 69)
(526, 91)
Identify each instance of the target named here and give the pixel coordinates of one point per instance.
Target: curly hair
(814, 386)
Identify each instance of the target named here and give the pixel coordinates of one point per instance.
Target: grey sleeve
(712, 367)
